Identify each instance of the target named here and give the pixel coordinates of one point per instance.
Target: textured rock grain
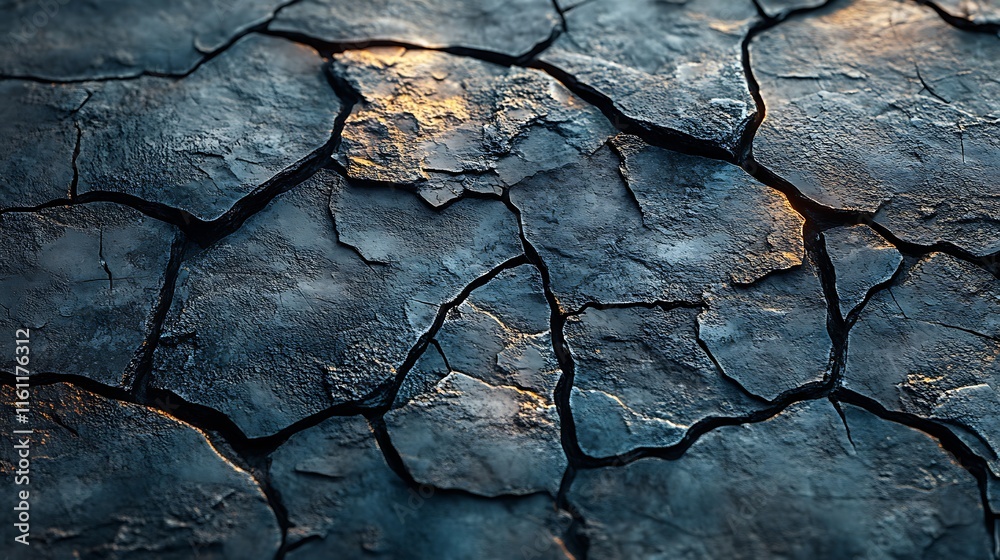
(510, 28)
(159, 490)
(797, 486)
(342, 496)
(875, 126)
(300, 310)
(447, 124)
(86, 280)
(673, 67)
(664, 226)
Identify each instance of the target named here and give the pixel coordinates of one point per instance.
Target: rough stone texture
(512, 28)
(770, 336)
(642, 380)
(674, 66)
(798, 486)
(862, 259)
(678, 225)
(976, 11)
(479, 414)
(154, 489)
(36, 142)
(873, 125)
(204, 142)
(339, 492)
(286, 294)
(85, 319)
(487, 439)
(780, 7)
(490, 426)
(446, 124)
(928, 346)
(67, 40)
(499, 335)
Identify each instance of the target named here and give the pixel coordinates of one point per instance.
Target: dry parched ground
(521, 279)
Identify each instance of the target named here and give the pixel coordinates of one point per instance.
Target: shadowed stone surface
(862, 259)
(679, 224)
(876, 126)
(283, 295)
(770, 336)
(203, 143)
(67, 40)
(928, 346)
(642, 380)
(159, 491)
(339, 491)
(673, 66)
(37, 140)
(797, 486)
(85, 319)
(447, 124)
(507, 27)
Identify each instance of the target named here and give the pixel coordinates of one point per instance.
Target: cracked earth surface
(528, 279)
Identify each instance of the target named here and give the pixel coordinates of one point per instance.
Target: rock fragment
(642, 380)
(342, 496)
(62, 40)
(862, 260)
(511, 28)
(202, 143)
(977, 11)
(796, 486)
(928, 346)
(38, 141)
(86, 281)
(490, 427)
(298, 310)
(770, 336)
(448, 124)
(875, 126)
(159, 490)
(673, 67)
(663, 227)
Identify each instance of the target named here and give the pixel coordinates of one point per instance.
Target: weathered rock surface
(284, 318)
(678, 225)
(862, 259)
(490, 427)
(37, 140)
(873, 125)
(642, 380)
(204, 142)
(928, 346)
(669, 66)
(86, 280)
(976, 11)
(511, 28)
(446, 124)
(778, 7)
(797, 486)
(340, 493)
(152, 487)
(65, 40)
(770, 336)
(487, 439)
